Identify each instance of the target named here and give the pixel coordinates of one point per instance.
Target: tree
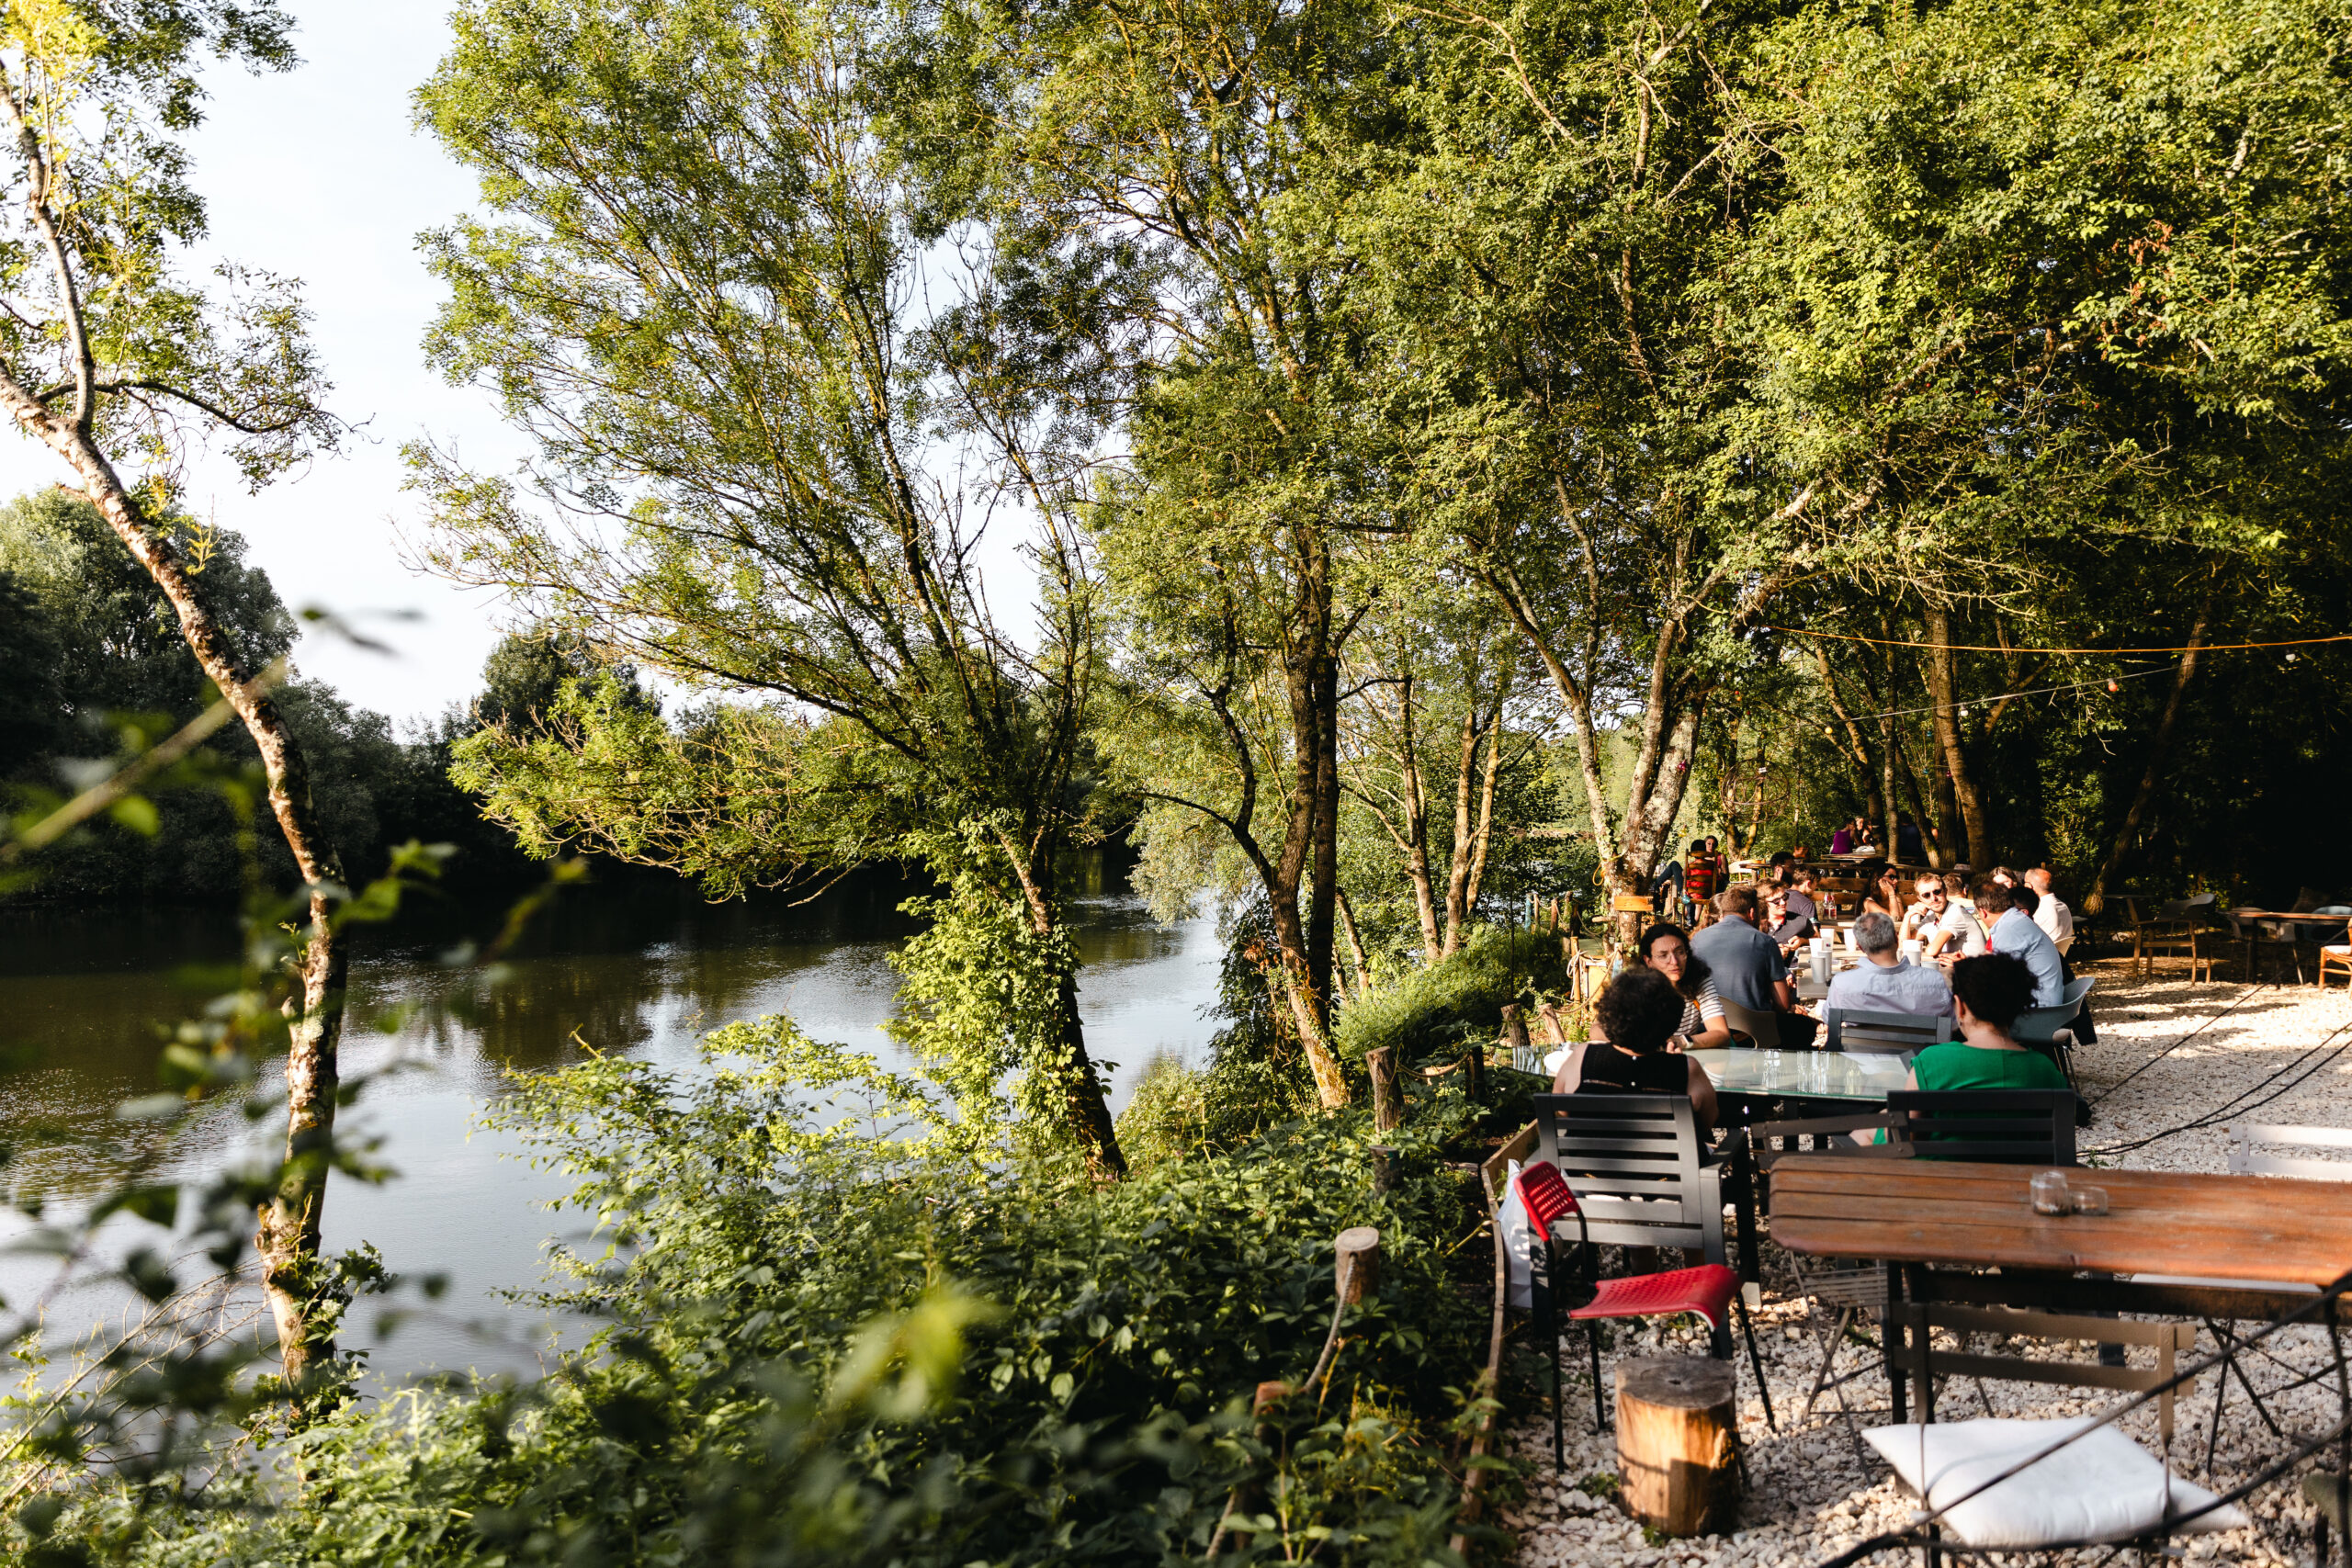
(698, 298)
(1553, 247)
(106, 355)
(1150, 174)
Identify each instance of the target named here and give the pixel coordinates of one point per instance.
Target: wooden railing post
(1387, 1093)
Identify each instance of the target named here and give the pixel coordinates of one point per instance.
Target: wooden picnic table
(2253, 1228)
(2237, 1248)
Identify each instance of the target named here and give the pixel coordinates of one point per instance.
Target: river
(643, 970)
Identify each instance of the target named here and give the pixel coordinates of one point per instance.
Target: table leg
(1894, 1339)
(1744, 1213)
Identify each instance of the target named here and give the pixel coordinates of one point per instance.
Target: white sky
(317, 173)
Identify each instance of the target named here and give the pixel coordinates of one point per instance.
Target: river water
(641, 971)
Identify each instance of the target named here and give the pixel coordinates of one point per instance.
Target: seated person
(1782, 923)
(2015, 935)
(1885, 895)
(1632, 1022)
(1800, 895)
(1943, 924)
(1885, 981)
(2051, 914)
(1989, 993)
(1698, 873)
(1910, 846)
(1750, 970)
(1666, 948)
(1842, 841)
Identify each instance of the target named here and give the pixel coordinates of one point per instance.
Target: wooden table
(2242, 922)
(1930, 1220)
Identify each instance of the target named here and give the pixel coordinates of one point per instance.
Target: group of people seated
(1985, 953)
(1642, 1022)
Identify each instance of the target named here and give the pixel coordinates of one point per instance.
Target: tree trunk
(1089, 1111)
(1310, 837)
(1355, 946)
(1978, 848)
(1854, 747)
(287, 1239)
(2097, 899)
(1086, 1111)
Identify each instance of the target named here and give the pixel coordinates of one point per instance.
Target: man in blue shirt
(1749, 968)
(2011, 931)
(1884, 981)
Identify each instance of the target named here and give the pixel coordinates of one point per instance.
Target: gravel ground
(2188, 1051)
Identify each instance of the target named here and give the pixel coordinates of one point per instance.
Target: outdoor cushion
(2102, 1487)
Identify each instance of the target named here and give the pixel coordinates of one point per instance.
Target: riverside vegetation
(1454, 456)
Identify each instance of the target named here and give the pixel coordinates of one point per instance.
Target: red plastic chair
(1711, 1291)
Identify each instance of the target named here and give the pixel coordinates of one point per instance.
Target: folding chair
(1710, 1291)
(1642, 1178)
(2247, 1141)
(1886, 1033)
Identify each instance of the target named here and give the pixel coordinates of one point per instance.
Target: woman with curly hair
(1633, 1024)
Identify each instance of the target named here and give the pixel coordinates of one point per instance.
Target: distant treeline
(87, 645)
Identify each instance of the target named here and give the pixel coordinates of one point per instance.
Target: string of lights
(1996, 648)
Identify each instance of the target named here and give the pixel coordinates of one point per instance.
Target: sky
(317, 174)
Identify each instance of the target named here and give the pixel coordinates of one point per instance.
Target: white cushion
(2101, 1487)
(2342, 951)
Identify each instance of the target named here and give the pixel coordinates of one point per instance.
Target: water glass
(2050, 1194)
(2091, 1199)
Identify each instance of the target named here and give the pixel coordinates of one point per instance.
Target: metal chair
(2047, 1026)
(2246, 1142)
(1886, 1033)
(2173, 928)
(1710, 1291)
(1762, 1029)
(1642, 1178)
(1996, 1126)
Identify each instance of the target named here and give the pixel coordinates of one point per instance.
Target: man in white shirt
(2051, 914)
(1884, 981)
(2015, 933)
(1947, 927)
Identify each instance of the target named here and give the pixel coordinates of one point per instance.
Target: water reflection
(642, 971)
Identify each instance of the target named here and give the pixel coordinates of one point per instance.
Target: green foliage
(1433, 1010)
(843, 1328)
(981, 1002)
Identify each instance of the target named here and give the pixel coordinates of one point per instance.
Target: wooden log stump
(1357, 1265)
(1387, 1093)
(1515, 1026)
(1385, 1168)
(1677, 1437)
(1554, 1032)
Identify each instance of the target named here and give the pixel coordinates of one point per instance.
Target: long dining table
(2172, 1244)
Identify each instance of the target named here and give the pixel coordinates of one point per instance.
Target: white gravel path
(1818, 1491)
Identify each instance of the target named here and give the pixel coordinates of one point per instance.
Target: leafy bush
(806, 1246)
(1430, 1011)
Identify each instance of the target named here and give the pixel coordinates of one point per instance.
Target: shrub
(1434, 1009)
(845, 1329)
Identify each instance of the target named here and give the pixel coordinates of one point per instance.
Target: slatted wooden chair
(1642, 1178)
(1886, 1033)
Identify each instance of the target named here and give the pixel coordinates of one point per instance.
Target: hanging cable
(2174, 1045)
(1996, 648)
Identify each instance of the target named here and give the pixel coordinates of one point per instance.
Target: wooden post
(1515, 1025)
(1384, 1169)
(1473, 1072)
(1676, 1442)
(1356, 1263)
(1547, 1019)
(1388, 1094)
